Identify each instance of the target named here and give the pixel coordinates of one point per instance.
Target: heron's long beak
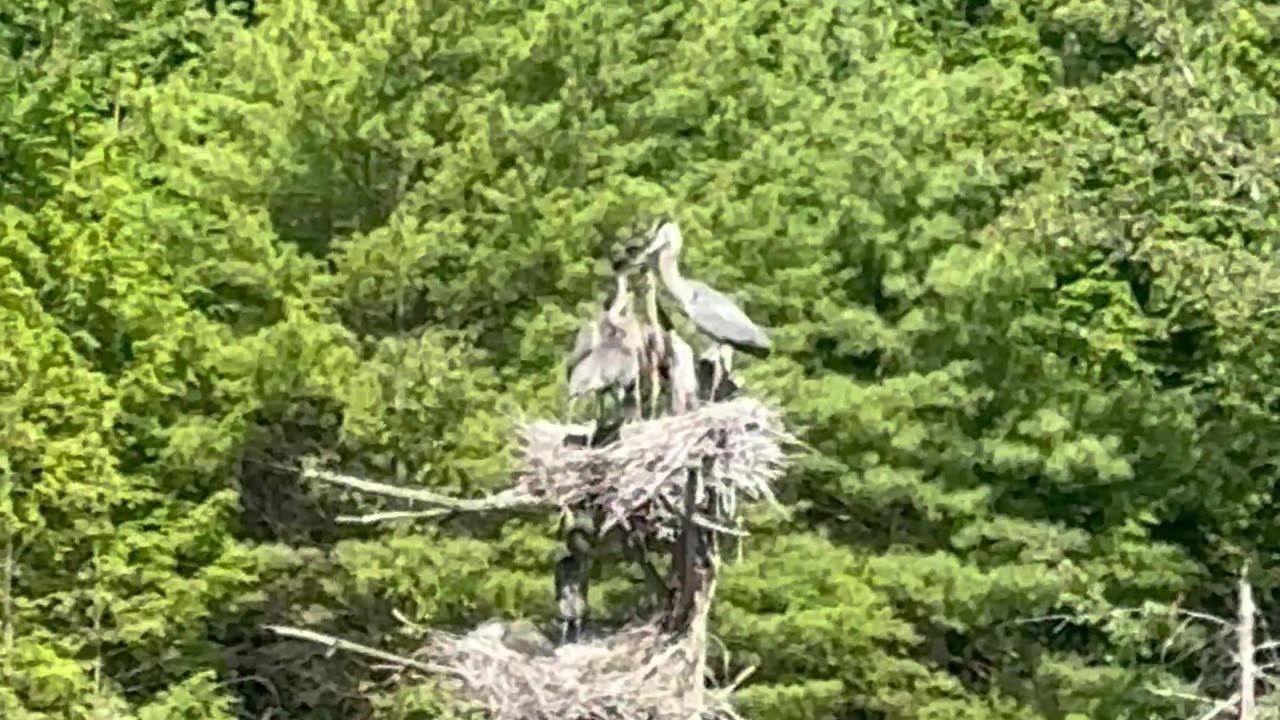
(642, 257)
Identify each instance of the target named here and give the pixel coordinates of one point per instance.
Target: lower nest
(637, 673)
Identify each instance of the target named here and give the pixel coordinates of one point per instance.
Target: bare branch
(704, 522)
(337, 643)
(1118, 612)
(1162, 692)
(506, 500)
(393, 515)
(1244, 636)
(1220, 708)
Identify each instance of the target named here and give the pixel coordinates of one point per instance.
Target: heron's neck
(619, 300)
(669, 270)
(651, 302)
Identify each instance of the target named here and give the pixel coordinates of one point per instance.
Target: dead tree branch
(337, 643)
(513, 499)
(1245, 649)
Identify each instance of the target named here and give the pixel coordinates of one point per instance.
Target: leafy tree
(1017, 259)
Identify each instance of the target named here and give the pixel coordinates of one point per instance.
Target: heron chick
(573, 585)
(606, 352)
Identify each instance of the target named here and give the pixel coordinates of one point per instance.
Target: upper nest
(638, 673)
(642, 475)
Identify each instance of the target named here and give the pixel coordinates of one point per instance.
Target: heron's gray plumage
(714, 313)
(588, 338)
(573, 585)
(606, 351)
(610, 364)
(717, 315)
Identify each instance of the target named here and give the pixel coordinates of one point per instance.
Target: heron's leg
(717, 371)
(655, 383)
(630, 400)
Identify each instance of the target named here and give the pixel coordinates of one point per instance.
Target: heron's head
(633, 253)
(630, 253)
(664, 234)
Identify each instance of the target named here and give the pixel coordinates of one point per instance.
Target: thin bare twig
(1117, 612)
(703, 521)
(337, 643)
(1221, 707)
(1244, 637)
(393, 515)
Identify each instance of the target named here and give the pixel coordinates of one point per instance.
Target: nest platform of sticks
(641, 476)
(636, 673)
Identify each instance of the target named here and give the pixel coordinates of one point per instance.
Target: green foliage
(1017, 257)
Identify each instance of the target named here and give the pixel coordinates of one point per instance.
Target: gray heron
(573, 585)
(606, 352)
(711, 311)
(629, 257)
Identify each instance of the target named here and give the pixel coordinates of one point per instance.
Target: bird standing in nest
(715, 314)
(606, 354)
(573, 585)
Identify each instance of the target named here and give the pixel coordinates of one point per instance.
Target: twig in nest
(703, 521)
(737, 681)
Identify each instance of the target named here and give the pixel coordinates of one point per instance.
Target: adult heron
(606, 353)
(711, 311)
(573, 585)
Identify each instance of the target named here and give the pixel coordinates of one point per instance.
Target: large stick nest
(638, 673)
(641, 476)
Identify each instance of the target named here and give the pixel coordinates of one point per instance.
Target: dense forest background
(1018, 258)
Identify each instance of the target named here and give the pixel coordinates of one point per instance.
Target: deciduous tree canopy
(1017, 258)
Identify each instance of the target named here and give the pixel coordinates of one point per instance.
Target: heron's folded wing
(719, 316)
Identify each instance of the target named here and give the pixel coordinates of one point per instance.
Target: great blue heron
(683, 374)
(573, 585)
(712, 312)
(606, 353)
